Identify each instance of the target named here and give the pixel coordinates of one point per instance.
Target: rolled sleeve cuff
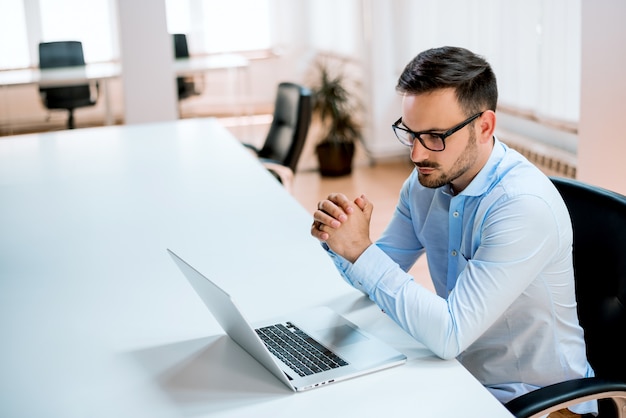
(374, 269)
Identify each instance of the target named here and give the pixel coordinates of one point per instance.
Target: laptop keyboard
(298, 350)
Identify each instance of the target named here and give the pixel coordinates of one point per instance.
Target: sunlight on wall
(13, 53)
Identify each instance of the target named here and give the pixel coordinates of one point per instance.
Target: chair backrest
(61, 54)
(181, 49)
(292, 117)
(64, 54)
(599, 225)
(185, 85)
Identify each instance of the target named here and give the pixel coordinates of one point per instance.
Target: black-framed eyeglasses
(430, 140)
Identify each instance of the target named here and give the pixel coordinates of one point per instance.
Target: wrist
(353, 254)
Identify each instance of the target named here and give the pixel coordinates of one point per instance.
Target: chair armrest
(561, 395)
(282, 173)
(251, 147)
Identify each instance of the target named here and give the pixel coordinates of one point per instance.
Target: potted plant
(337, 109)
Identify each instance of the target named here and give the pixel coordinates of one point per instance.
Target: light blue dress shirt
(499, 254)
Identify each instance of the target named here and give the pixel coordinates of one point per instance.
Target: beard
(461, 165)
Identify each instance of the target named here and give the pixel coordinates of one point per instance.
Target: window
(341, 32)
(216, 26)
(533, 45)
(27, 22)
(213, 26)
(14, 47)
(87, 21)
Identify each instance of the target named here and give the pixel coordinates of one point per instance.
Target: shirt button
(453, 253)
(455, 214)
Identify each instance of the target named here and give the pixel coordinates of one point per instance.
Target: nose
(418, 152)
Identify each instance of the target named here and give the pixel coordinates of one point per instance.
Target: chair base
(70, 119)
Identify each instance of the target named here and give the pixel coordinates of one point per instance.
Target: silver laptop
(306, 350)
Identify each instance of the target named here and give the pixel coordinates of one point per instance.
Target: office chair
(287, 134)
(186, 86)
(65, 54)
(599, 251)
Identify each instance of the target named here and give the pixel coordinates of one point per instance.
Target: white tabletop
(105, 70)
(96, 320)
(202, 64)
(60, 76)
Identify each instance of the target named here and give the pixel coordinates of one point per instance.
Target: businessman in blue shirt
(497, 234)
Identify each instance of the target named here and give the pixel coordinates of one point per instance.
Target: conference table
(97, 320)
(56, 77)
(104, 72)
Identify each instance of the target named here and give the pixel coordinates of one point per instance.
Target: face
(463, 156)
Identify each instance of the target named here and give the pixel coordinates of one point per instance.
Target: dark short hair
(451, 67)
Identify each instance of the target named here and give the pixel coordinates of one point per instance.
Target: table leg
(108, 112)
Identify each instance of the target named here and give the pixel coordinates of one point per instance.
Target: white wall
(523, 41)
(380, 55)
(147, 53)
(602, 128)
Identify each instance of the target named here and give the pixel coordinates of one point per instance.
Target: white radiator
(551, 160)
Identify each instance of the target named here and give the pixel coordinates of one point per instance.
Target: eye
(431, 137)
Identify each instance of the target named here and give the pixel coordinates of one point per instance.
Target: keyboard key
(298, 350)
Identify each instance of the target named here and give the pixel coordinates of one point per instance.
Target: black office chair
(599, 224)
(187, 86)
(65, 54)
(287, 134)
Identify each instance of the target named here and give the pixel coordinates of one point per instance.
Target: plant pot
(335, 158)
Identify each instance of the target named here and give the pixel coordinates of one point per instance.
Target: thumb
(365, 205)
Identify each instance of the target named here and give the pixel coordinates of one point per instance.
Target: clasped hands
(343, 224)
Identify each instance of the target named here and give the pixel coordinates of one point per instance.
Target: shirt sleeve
(517, 238)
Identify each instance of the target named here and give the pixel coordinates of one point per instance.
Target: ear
(486, 126)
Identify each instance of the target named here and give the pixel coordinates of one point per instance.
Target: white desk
(64, 76)
(104, 72)
(60, 76)
(235, 64)
(195, 65)
(96, 319)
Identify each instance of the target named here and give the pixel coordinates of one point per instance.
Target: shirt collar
(486, 176)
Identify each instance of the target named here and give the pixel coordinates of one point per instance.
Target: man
(496, 232)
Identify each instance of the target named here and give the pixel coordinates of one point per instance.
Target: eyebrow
(425, 130)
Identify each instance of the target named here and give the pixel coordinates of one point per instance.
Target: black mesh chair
(65, 54)
(287, 134)
(186, 86)
(599, 224)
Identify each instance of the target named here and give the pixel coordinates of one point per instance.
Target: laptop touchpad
(342, 335)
